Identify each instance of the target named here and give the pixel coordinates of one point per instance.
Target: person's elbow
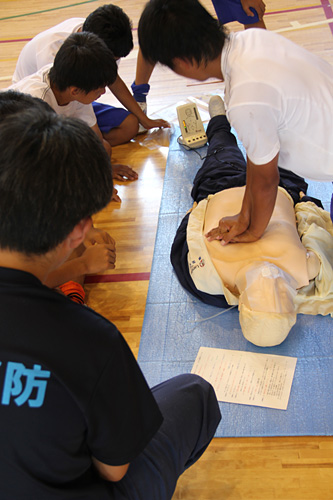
(116, 474)
(269, 174)
(113, 473)
(264, 175)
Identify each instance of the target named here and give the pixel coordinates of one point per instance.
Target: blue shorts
(109, 117)
(228, 11)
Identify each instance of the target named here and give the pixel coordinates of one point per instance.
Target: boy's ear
(181, 63)
(74, 91)
(185, 67)
(78, 234)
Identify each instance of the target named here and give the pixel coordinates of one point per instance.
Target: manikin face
(266, 305)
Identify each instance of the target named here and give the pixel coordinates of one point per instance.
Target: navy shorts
(191, 415)
(109, 117)
(228, 11)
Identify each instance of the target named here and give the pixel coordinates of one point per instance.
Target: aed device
(192, 129)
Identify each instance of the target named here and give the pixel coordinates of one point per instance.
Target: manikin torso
(279, 245)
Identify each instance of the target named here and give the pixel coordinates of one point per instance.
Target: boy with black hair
(81, 70)
(97, 253)
(278, 98)
(247, 12)
(13, 102)
(114, 27)
(75, 408)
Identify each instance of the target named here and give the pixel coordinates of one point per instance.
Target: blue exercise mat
(176, 325)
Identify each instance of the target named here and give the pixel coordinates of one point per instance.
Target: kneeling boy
(75, 408)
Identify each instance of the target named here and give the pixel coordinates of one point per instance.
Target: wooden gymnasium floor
(285, 468)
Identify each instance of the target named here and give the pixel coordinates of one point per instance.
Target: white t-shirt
(42, 49)
(38, 85)
(279, 99)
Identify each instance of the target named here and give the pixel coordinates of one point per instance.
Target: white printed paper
(247, 378)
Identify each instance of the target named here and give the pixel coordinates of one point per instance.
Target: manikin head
(266, 304)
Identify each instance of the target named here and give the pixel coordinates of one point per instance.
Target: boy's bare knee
(124, 133)
(131, 124)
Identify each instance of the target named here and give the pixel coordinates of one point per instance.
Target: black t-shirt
(70, 389)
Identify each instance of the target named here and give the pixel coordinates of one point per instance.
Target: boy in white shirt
(82, 68)
(279, 99)
(247, 12)
(98, 251)
(113, 26)
(272, 279)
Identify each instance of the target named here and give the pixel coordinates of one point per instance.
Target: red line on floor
(116, 278)
(328, 12)
(16, 40)
(293, 10)
(323, 4)
(202, 83)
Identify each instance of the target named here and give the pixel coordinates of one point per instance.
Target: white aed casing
(191, 126)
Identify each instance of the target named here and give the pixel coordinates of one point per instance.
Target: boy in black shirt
(77, 417)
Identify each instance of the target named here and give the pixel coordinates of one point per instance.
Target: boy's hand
(123, 172)
(98, 258)
(246, 237)
(115, 196)
(228, 229)
(100, 236)
(147, 123)
(257, 5)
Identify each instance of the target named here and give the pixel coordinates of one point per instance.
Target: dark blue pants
(232, 10)
(191, 416)
(225, 166)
